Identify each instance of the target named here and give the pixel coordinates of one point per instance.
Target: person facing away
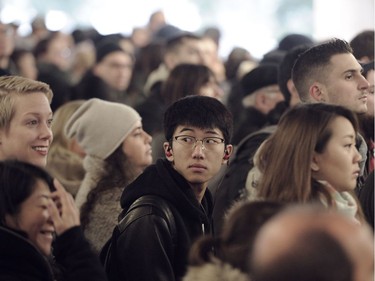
(111, 162)
(65, 156)
(323, 170)
(310, 243)
(228, 261)
(36, 212)
(329, 73)
(25, 120)
(198, 130)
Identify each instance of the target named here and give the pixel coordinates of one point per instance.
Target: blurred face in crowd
(116, 70)
(211, 89)
(190, 51)
(59, 51)
(26, 65)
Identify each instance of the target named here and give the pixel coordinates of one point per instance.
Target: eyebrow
(353, 70)
(38, 114)
(350, 136)
(210, 131)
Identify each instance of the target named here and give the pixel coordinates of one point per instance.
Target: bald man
(313, 244)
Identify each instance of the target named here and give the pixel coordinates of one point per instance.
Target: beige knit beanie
(101, 126)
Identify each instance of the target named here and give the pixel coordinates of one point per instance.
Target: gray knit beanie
(101, 126)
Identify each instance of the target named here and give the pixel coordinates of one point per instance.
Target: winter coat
(251, 121)
(146, 250)
(22, 261)
(103, 217)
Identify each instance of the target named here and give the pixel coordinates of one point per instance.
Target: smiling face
(345, 85)
(338, 164)
(29, 134)
(194, 162)
(137, 148)
(34, 218)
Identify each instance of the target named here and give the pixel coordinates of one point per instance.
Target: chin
(46, 250)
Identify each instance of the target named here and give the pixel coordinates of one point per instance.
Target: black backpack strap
(135, 211)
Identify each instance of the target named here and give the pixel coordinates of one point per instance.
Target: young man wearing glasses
(154, 237)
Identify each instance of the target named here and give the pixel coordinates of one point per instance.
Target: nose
(198, 149)
(148, 138)
(363, 83)
(357, 156)
(46, 132)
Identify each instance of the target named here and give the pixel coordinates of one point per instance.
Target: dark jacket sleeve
(145, 250)
(78, 261)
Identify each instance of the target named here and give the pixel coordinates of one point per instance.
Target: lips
(197, 167)
(48, 234)
(41, 149)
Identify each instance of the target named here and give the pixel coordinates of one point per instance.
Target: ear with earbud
(226, 155)
(168, 152)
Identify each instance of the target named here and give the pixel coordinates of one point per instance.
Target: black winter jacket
(145, 249)
(22, 261)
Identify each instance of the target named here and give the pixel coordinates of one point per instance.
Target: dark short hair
(17, 182)
(363, 45)
(198, 111)
(312, 64)
(285, 69)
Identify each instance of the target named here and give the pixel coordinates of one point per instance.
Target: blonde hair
(60, 117)
(13, 86)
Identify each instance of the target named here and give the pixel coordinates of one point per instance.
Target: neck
(199, 190)
(4, 62)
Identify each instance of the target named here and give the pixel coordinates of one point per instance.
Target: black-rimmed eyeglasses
(208, 143)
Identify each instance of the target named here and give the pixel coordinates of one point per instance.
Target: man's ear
(315, 163)
(168, 151)
(317, 92)
(227, 153)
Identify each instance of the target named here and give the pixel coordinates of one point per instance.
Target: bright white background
(256, 25)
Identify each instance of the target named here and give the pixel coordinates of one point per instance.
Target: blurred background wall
(256, 25)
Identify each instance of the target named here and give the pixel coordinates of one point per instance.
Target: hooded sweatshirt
(146, 250)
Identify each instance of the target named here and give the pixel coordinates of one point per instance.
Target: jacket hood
(161, 179)
(215, 271)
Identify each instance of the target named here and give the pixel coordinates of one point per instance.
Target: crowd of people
(150, 157)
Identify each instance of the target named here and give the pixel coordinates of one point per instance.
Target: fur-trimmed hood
(215, 271)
